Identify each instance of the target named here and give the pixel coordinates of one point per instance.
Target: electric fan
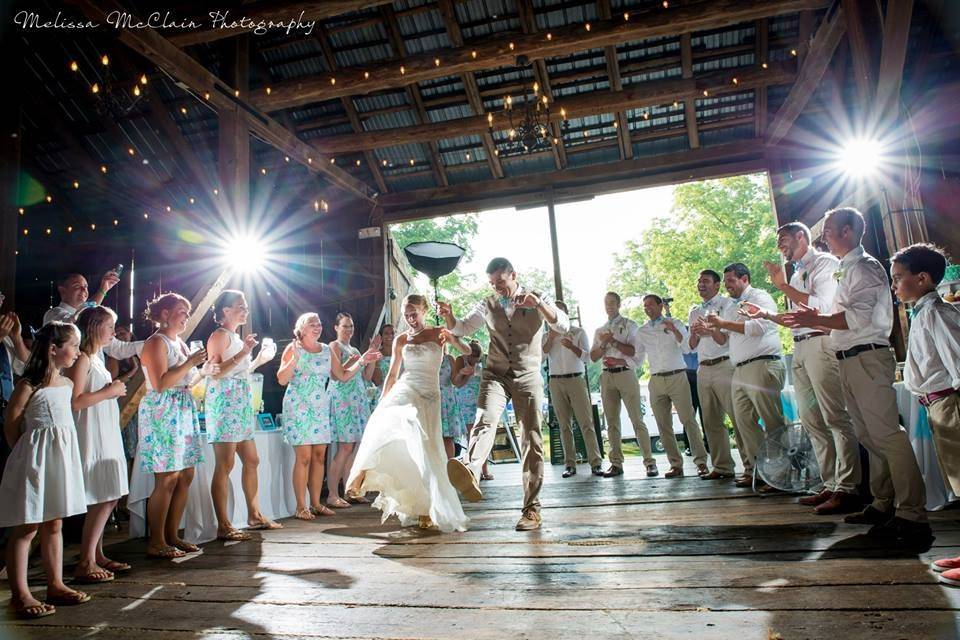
(786, 460)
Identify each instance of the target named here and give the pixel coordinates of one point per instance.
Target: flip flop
(69, 599)
(91, 578)
(168, 553)
(303, 514)
(339, 503)
(34, 611)
(322, 511)
(264, 525)
(185, 546)
(115, 566)
(235, 535)
(354, 497)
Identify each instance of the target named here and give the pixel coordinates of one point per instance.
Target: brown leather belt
(807, 336)
(926, 399)
(664, 374)
(713, 361)
(616, 369)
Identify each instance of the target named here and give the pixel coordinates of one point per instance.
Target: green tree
(712, 224)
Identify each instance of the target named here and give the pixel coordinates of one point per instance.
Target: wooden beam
(233, 156)
(653, 93)
(861, 54)
(762, 55)
(811, 73)
(10, 181)
(191, 73)
(528, 23)
(616, 84)
(689, 105)
(317, 10)
(496, 52)
(896, 34)
(804, 33)
(470, 87)
(468, 195)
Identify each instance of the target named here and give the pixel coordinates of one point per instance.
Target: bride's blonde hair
(416, 300)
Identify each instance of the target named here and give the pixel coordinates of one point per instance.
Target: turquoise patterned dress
(349, 406)
(306, 402)
(468, 395)
(167, 421)
(373, 391)
(450, 416)
(229, 400)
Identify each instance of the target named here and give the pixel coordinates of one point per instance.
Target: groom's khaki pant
(526, 391)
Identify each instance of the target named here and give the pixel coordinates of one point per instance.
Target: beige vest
(515, 343)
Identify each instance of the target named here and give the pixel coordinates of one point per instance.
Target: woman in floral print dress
(467, 371)
(387, 334)
(349, 407)
(229, 413)
(170, 444)
(451, 419)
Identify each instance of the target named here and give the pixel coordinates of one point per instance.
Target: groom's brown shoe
(463, 480)
(529, 521)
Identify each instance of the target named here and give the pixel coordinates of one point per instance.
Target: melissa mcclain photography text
(296, 24)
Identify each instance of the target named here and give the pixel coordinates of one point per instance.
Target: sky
(589, 233)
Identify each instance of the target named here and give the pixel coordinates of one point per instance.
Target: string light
(21, 210)
(366, 75)
(263, 171)
(436, 62)
(48, 231)
(49, 199)
(496, 152)
(191, 200)
(646, 115)
(706, 93)
(206, 96)
(665, 4)
(384, 162)
(131, 151)
(325, 206)
(616, 125)
(236, 93)
(216, 192)
(103, 169)
(316, 205)
(735, 81)
(468, 155)
(76, 185)
(411, 162)
(26, 232)
(793, 52)
(587, 26)
(511, 46)
(115, 222)
(143, 79)
(765, 65)
(286, 158)
(333, 81)
(93, 226)
(626, 16)
(74, 66)
(146, 216)
(403, 70)
(69, 229)
(136, 90)
(268, 90)
(95, 88)
(358, 163)
(183, 110)
(473, 54)
(168, 208)
(555, 141)
(105, 60)
(549, 36)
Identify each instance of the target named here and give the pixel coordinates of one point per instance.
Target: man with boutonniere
(514, 317)
(860, 323)
(816, 371)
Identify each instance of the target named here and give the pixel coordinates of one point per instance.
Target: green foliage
(712, 224)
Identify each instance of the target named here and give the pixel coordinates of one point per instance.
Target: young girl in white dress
(401, 455)
(229, 413)
(43, 480)
(97, 415)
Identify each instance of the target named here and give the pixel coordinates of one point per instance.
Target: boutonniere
(838, 275)
(804, 276)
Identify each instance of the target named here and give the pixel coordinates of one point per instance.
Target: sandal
(338, 503)
(167, 553)
(234, 535)
(486, 476)
(264, 525)
(188, 547)
(69, 599)
(94, 577)
(114, 566)
(33, 611)
(355, 497)
(322, 511)
(303, 514)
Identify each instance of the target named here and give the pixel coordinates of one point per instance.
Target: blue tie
(505, 301)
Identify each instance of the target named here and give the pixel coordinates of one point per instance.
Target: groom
(514, 316)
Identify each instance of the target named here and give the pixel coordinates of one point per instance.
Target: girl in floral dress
(349, 407)
(467, 371)
(229, 413)
(451, 419)
(170, 443)
(387, 334)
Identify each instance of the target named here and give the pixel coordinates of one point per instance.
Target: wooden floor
(622, 558)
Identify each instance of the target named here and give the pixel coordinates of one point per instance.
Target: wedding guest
(451, 418)
(860, 324)
(615, 344)
(715, 376)
(13, 355)
(43, 479)
(816, 372)
(229, 413)
(467, 371)
(387, 334)
(349, 407)
(169, 430)
(74, 295)
(97, 417)
(305, 372)
(567, 356)
(759, 373)
(660, 340)
(124, 371)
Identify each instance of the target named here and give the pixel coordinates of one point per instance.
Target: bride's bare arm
(395, 363)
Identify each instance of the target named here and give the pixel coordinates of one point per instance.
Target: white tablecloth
(199, 521)
(915, 416)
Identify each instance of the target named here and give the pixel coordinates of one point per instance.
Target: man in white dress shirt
(514, 316)
(759, 373)
(860, 325)
(615, 343)
(661, 340)
(816, 372)
(567, 355)
(714, 375)
(13, 354)
(74, 292)
(932, 369)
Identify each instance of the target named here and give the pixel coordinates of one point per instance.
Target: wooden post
(554, 247)
(9, 196)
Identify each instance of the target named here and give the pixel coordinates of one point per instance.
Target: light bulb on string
(93, 226)
(95, 88)
(104, 60)
(136, 90)
(49, 199)
(74, 66)
(115, 222)
(103, 168)
(76, 185)
(143, 79)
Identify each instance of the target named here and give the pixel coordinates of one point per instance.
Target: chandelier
(529, 117)
(110, 97)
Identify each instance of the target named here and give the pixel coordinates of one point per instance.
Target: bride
(401, 454)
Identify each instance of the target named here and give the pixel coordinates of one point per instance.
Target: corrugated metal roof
(362, 45)
(661, 145)
(724, 38)
(469, 173)
(377, 101)
(423, 31)
(453, 112)
(409, 183)
(555, 13)
(527, 164)
(724, 63)
(593, 156)
(479, 18)
(715, 137)
(405, 118)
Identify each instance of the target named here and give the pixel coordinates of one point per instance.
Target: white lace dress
(402, 448)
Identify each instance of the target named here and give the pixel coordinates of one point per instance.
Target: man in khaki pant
(660, 340)
(860, 326)
(758, 374)
(514, 316)
(615, 343)
(816, 372)
(714, 376)
(566, 357)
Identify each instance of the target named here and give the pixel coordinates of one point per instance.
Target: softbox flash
(436, 259)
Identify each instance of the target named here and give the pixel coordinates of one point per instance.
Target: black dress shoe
(569, 471)
(597, 470)
(897, 528)
(869, 516)
(613, 471)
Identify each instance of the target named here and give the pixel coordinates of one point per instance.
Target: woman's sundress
(450, 417)
(468, 395)
(229, 401)
(349, 406)
(306, 402)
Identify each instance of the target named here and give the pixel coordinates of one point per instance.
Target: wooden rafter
(470, 87)
(178, 64)
(762, 55)
(496, 52)
(413, 94)
(316, 10)
(809, 76)
(649, 94)
(896, 33)
(616, 84)
(861, 53)
(528, 23)
(689, 105)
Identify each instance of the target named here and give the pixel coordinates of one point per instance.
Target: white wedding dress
(402, 450)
